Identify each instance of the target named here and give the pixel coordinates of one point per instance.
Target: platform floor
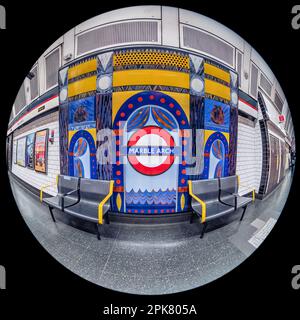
(152, 259)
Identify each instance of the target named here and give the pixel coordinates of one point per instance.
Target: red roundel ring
(150, 150)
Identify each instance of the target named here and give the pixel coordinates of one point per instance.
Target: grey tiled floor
(149, 259)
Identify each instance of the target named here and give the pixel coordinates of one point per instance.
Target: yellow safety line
(203, 204)
(101, 204)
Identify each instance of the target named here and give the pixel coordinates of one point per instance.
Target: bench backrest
(67, 183)
(229, 184)
(207, 190)
(93, 190)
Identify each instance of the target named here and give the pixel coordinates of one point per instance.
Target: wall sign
(151, 150)
(281, 118)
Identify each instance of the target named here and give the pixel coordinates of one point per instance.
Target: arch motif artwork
(150, 99)
(167, 119)
(215, 155)
(82, 155)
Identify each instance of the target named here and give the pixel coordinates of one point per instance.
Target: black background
(37, 285)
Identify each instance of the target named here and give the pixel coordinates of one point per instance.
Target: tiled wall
(37, 179)
(249, 155)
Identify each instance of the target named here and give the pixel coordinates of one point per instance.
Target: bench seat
(87, 210)
(68, 194)
(214, 210)
(236, 199)
(57, 202)
(229, 194)
(215, 198)
(94, 203)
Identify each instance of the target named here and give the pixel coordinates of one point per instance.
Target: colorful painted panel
(216, 116)
(21, 148)
(104, 136)
(217, 82)
(82, 154)
(151, 58)
(29, 162)
(104, 115)
(150, 97)
(215, 155)
(63, 138)
(82, 79)
(233, 134)
(149, 156)
(82, 114)
(82, 137)
(150, 90)
(40, 151)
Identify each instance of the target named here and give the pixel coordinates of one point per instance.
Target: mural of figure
(80, 115)
(217, 115)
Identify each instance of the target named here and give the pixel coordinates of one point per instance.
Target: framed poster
(29, 151)
(40, 151)
(21, 146)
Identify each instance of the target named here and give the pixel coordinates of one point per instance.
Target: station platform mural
(150, 119)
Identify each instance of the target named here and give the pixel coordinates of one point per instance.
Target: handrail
(101, 204)
(203, 204)
(242, 185)
(46, 186)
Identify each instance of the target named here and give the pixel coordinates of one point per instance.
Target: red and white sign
(281, 118)
(150, 150)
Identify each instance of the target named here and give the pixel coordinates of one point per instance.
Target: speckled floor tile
(149, 259)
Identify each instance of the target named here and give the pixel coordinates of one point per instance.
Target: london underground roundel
(150, 150)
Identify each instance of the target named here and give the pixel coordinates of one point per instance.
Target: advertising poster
(40, 151)
(29, 151)
(21, 143)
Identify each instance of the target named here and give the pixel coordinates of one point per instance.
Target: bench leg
(244, 210)
(52, 215)
(107, 218)
(203, 229)
(98, 231)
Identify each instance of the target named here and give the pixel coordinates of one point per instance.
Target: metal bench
(229, 194)
(205, 201)
(68, 194)
(93, 204)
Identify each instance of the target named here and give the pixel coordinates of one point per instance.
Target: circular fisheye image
(150, 150)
